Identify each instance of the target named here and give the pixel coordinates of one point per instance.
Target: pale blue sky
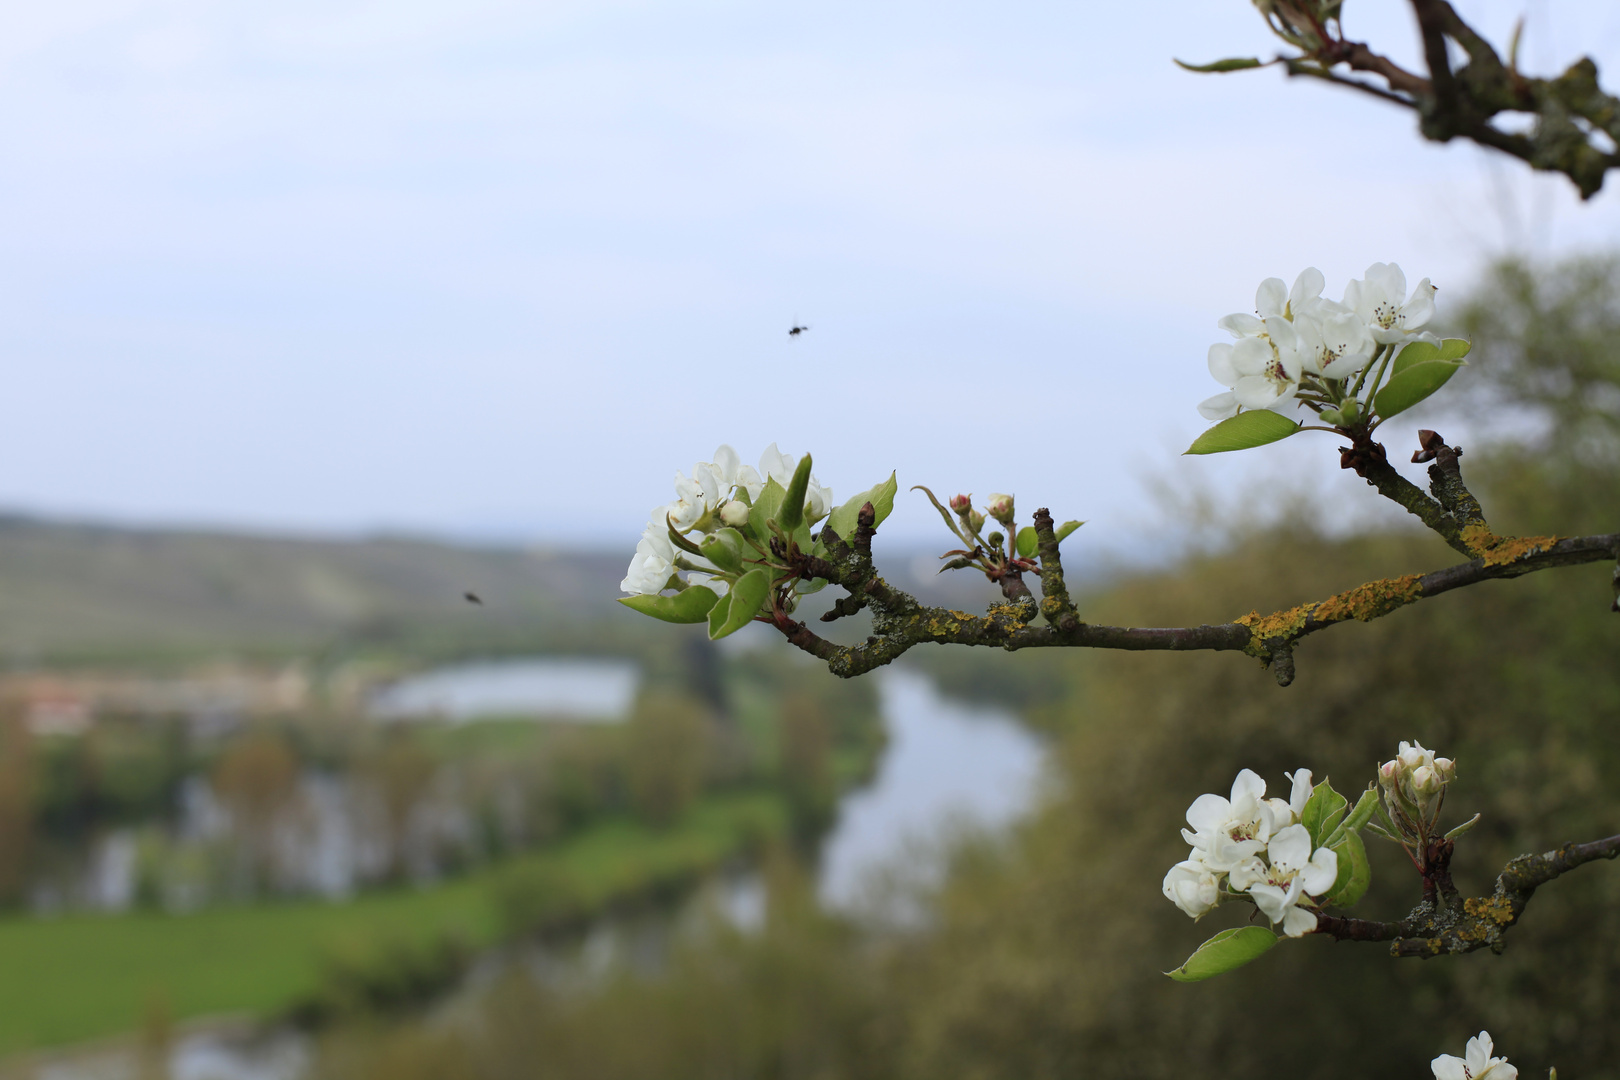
(501, 268)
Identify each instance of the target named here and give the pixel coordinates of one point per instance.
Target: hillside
(72, 591)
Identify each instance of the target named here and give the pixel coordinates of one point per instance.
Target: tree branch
(1463, 102)
(900, 621)
(1447, 924)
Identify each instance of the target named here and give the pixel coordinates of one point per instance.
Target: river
(948, 765)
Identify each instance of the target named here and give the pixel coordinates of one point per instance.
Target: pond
(555, 688)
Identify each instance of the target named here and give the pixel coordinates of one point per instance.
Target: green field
(79, 977)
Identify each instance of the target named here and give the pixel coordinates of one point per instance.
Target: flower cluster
(1301, 348)
(718, 493)
(1413, 784)
(1475, 1064)
(1254, 845)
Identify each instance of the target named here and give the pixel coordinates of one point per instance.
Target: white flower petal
(1290, 849)
(1241, 324)
(1208, 813)
(1449, 1067)
(1307, 289)
(1248, 785)
(1321, 872)
(1220, 407)
(1255, 392)
(1271, 297)
(1220, 363)
(1298, 922)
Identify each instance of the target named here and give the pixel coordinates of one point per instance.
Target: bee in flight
(797, 330)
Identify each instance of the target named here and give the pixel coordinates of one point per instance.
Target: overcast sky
(498, 269)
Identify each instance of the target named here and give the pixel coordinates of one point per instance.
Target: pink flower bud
(1426, 780)
(1001, 508)
(961, 504)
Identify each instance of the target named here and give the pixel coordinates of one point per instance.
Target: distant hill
(85, 591)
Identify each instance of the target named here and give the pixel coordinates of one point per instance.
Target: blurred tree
(256, 780)
(399, 773)
(16, 805)
(666, 755)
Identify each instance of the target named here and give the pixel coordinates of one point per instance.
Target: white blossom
(1334, 341)
(1378, 299)
(1295, 873)
(648, 572)
(775, 465)
(1227, 832)
(1193, 887)
(1263, 368)
(717, 585)
(1475, 1064)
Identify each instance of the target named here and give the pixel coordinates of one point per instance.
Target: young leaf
(740, 605)
(1464, 827)
(1322, 812)
(765, 508)
(1065, 529)
(1240, 63)
(1355, 873)
(791, 516)
(1027, 541)
(842, 520)
(1256, 427)
(1358, 819)
(1226, 950)
(946, 515)
(1421, 352)
(688, 606)
(1413, 385)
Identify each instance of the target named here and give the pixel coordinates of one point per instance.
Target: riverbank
(76, 978)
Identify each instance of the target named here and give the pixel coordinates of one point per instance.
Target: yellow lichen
(1501, 550)
(1364, 602)
(1496, 909)
(1369, 601)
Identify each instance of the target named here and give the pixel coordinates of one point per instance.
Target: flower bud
(975, 521)
(994, 539)
(961, 504)
(1389, 774)
(1447, 767)
(1427, 781)
(725, 549)
(1001, 508)
(734, 513)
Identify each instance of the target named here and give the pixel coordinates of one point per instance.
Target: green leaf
(688, 606)
(1066, 528)
(1355, 873)
(765, 508)
(1413, 385)
(1359, 816)
(1421, 352)
(740, 605)
(1241, 63)
(1256, 427)
(791, 516)
(842, 520)
(1027, 541)
(1463, 828)
(1322, 812)
(1226, 950)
